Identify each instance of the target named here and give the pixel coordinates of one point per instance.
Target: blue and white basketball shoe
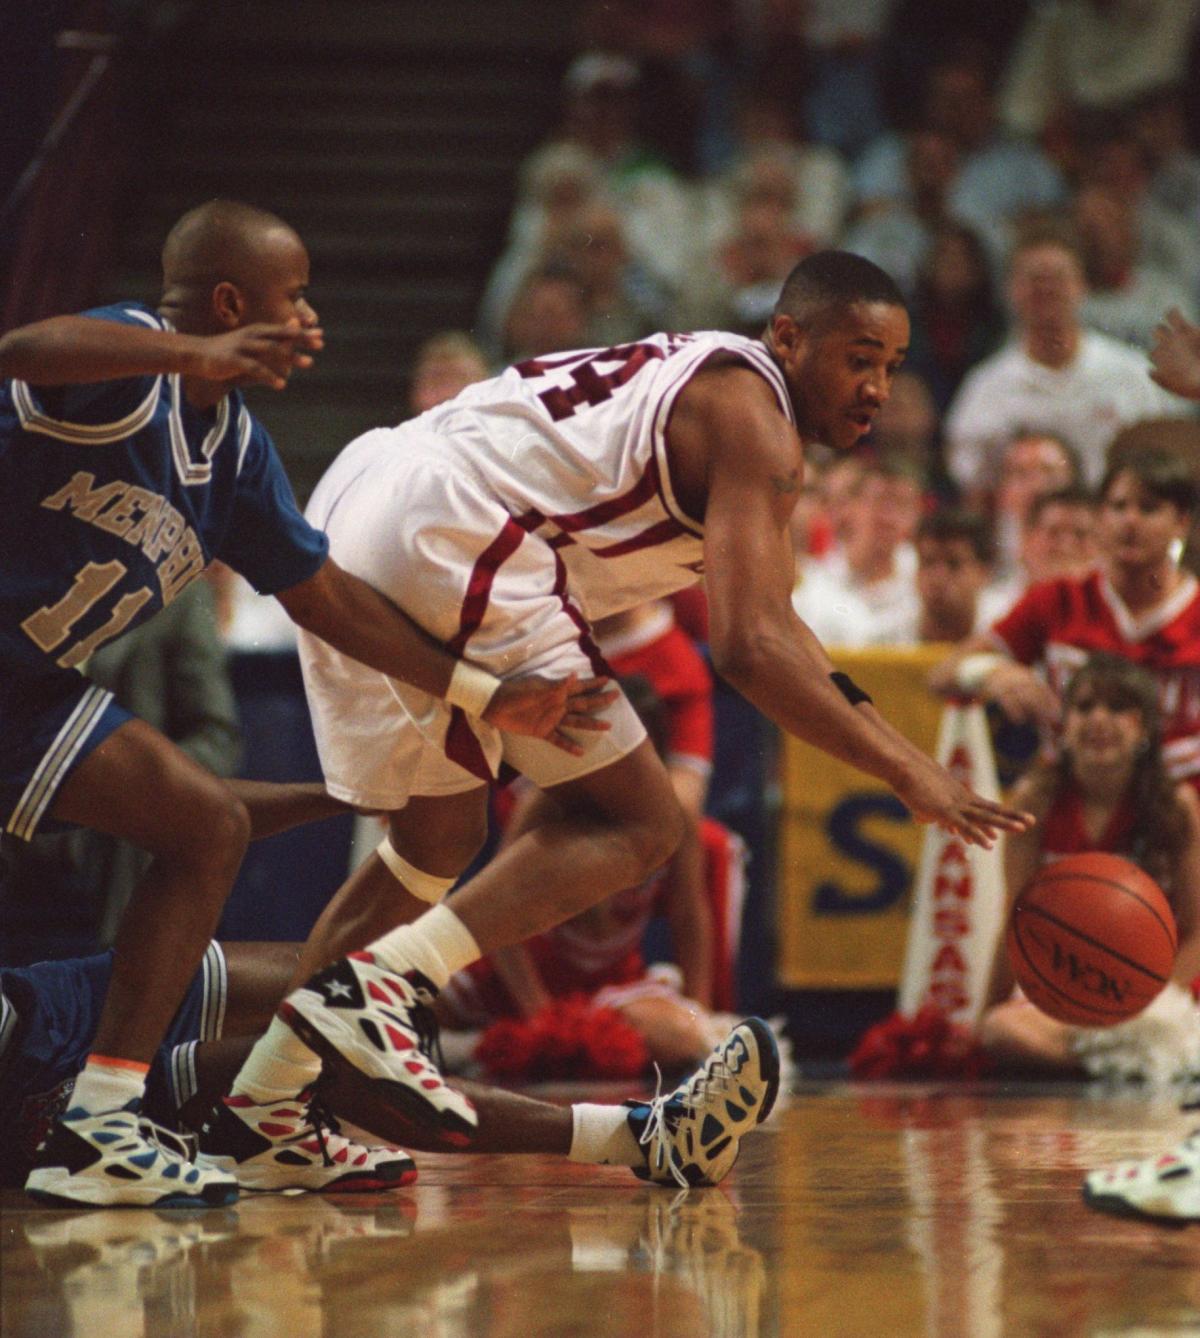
(118, 1158)
(692, 1136)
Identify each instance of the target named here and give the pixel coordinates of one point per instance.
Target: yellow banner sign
(848, 849)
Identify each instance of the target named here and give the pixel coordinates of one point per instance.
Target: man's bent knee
(440, 836)
(653, 842)
(426, 887)
(219, 830)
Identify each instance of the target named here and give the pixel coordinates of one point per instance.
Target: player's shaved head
(821, 288)
(222, 240)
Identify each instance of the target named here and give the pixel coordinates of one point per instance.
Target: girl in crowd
(1108, 790)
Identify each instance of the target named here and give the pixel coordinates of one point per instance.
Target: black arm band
(850, 689)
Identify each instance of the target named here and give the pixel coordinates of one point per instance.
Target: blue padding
(285, 880)
(742, 795)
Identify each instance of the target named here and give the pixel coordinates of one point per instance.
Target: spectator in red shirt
(1141, 604)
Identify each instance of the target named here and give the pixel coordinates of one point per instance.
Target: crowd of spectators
(1029, 175)
(1031, 180)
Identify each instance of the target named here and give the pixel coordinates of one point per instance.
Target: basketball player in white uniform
(568, 488)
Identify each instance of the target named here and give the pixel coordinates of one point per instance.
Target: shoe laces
(425, 1026)
(661, 1123)
(324, 1124)
(715, 1076)
(183, 1146)
(665, 1112)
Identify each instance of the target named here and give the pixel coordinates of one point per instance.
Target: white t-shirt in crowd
(844, 611)
(1106, 387)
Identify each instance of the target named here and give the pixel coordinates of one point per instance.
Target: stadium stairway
(388, 133)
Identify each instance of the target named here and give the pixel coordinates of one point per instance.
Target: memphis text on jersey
(145, 520)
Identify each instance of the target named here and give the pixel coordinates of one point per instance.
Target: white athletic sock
(437, 944)
(601, 1136)
(108, 1084)
(278, 1067)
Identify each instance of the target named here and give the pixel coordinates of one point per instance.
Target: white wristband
(471, 688)
(973, 671)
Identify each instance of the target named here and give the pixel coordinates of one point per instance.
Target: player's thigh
(375, 753)
(140, 786)
(634, 793)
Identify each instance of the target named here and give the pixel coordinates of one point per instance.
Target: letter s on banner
(847, 838)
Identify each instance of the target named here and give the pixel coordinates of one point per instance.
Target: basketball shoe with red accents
(297, 1144)
(382, 1023)
(1166, 1187)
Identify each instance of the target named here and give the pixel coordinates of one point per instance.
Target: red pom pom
(506, 1048)
(927, 1045)
(569, 1039)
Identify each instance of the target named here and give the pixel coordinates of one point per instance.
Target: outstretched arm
(356, 619)
(982, 668)
(80, 350)
(1185, 882)
(278, 807)
(729, 418)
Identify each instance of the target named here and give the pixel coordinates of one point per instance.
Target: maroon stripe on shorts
(662, 533)
(483, 576)
(600, 666)
(463, 747)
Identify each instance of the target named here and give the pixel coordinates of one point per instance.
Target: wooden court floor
(870, 1212)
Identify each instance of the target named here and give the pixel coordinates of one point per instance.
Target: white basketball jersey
(573, 445)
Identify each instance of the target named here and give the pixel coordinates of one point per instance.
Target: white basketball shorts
(435, 542)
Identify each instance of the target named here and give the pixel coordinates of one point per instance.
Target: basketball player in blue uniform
(128, 461)
(49, 1013)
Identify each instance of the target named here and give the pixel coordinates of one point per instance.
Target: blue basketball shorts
(49, 722)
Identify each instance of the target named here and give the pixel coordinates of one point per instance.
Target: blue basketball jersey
(118, 494)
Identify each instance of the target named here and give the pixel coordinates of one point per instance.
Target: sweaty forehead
(873, 326)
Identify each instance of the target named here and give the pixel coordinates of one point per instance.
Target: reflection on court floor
(857, 1210)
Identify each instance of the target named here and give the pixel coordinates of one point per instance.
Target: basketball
(1091, 939)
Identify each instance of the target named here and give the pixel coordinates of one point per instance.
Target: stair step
(388, 133)
(395, 209)
(210, 153)
(385, 254)
(370, 130)
(450, 26)
(492, 86)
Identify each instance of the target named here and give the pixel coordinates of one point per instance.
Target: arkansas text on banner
(958, 907)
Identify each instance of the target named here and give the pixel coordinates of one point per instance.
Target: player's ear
(789, 340)
(228, 304)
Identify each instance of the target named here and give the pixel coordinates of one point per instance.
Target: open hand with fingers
(545, 707)
(1022, 695)
(934, 796)
(1176, 355)
(256, 355)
